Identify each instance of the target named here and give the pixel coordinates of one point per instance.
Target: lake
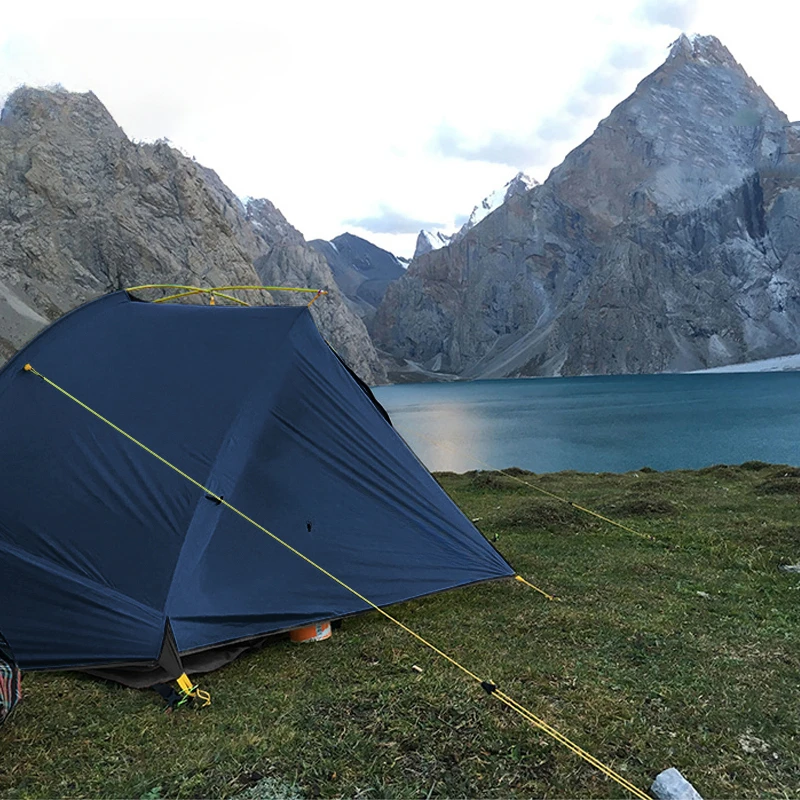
(600, 424)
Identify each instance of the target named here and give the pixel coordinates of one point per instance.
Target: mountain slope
(362, 270)
(86, 211)
(669, 240)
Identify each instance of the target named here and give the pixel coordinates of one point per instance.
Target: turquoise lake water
(600, 424)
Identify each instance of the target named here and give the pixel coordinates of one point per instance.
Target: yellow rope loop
(488, 686)
(203, 695)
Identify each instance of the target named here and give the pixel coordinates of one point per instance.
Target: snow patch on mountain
(434, 240)
(519, 184)
(430, 240)
(778, 364)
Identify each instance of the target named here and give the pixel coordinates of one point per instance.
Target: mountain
(86, 211)
(431, 240)
(668, 241)
(519, 184)
(362, 270)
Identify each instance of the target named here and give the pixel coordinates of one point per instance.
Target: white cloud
(389, 220)
(331, 109)
(673, 13)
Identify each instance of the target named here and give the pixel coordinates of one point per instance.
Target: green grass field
(680, 651)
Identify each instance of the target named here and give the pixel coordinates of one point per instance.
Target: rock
(752, 744)
(671, 785)
(271, 788)
(87, 211)
(794, 568)
(668, 241)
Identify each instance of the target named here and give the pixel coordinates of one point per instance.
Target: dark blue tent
(110, 559)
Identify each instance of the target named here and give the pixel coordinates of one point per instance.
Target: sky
(377, 118)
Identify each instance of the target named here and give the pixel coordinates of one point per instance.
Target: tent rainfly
(111, 561)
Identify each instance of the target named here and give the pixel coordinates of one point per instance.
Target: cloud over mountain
(389, 220)
(675, 13)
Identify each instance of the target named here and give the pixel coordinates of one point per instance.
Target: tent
(111, 561)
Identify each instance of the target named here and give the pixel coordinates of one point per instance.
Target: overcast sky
(377, 117)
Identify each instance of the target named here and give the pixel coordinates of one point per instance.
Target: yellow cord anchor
(188, 689)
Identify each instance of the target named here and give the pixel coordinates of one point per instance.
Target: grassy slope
(634, 664)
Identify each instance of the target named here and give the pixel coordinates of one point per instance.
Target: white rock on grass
(752, 744)
(671, 785)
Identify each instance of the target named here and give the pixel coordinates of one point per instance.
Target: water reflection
(446, 437)
(613, 424)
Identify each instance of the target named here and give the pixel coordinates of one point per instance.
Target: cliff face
(84, 211)
(669, 240)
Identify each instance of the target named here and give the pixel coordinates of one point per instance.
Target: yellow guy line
(488, 686)
(541, 591)
(516, 478)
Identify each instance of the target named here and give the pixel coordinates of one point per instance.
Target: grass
(676, 652)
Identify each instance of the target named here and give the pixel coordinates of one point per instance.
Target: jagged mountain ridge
(433, 240)
(362, 270)
(669, 240)
(86, 211)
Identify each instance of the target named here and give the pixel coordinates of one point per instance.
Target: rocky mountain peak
(520, 184)
(86, 211)
(269, 223)
(692, 131)
(30, 111)
(702, 49)
(362, 270)
(428, 241)
(667, 241)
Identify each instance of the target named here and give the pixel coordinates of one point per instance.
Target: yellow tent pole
(211, 292)
(222, 291)
(225, 288)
